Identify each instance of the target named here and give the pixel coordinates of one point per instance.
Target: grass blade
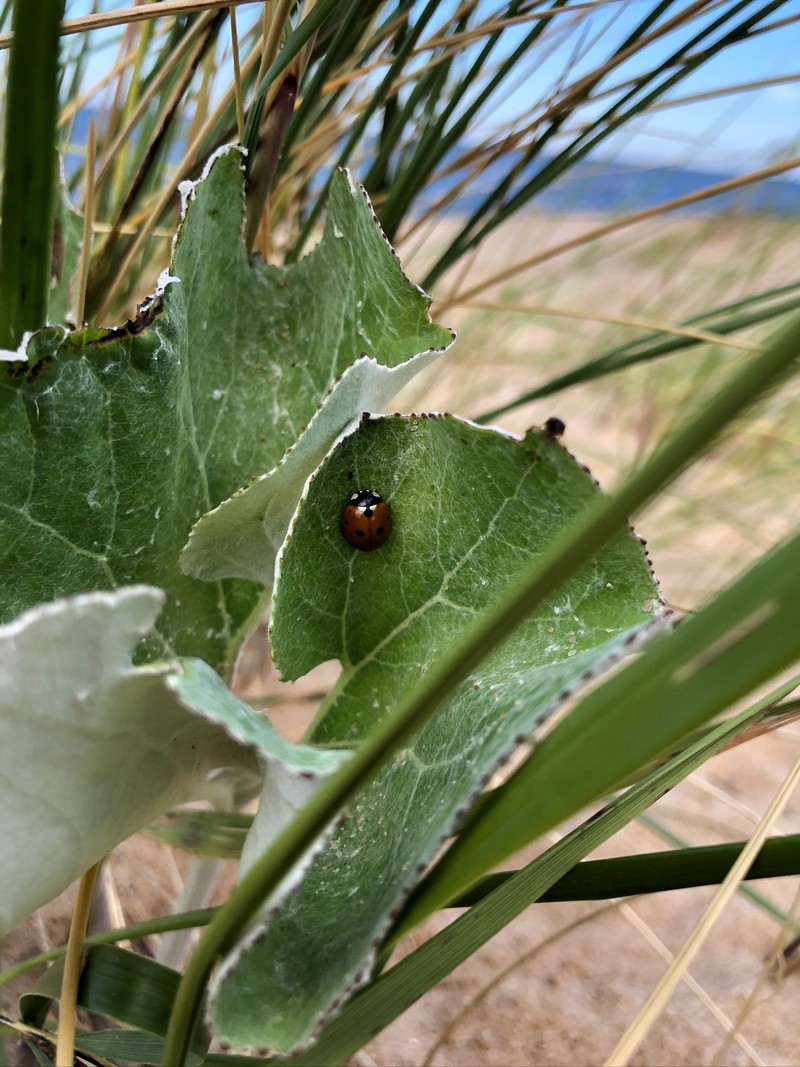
(653, 872)
(736, 316)
(29, 170)
(738, 641)
(391, 994)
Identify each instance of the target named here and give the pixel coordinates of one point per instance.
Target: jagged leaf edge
(632, 641)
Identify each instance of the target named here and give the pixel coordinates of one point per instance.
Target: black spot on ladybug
(366, 521)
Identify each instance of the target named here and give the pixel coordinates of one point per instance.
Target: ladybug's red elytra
(366, 520)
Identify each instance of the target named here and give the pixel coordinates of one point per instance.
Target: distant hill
(600, 186)
(592, 185)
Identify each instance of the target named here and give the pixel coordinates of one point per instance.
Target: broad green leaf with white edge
(114, 442)
(95, 748)
(470, 507)
(365, 307)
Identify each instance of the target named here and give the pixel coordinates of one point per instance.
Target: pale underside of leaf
(95, 748)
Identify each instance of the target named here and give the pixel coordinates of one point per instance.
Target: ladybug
(366, 521)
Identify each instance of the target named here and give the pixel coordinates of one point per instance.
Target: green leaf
(398, 988)
(362, 305)
(202, 691)
(741, 639)
(130, 988)
(116, 441)
(94, 749)
(85, 734)
(470, 508)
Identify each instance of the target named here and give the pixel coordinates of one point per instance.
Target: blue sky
(730, 134)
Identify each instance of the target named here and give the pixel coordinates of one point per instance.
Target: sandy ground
(561, 983)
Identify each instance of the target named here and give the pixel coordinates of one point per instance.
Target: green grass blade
(391, 994)
(396, 66)
(162, 924)
(741, 639)
(653, 872)
(759, 899)
(130, 988)
(29, 182)
(437, 140)
(313, 105)
(724, 320)
(314, 21)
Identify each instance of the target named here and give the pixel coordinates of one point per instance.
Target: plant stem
(65, 1048)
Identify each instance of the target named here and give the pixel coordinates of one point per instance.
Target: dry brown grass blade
(65, 1048)
(617, 225)
(175, 59)
(655, 1003)
(99, 274)
(580, 89)
(88, 216)
(77, 103)
(108, 19)
(456, 41)
(614, 320)
(273, 33)
(778, 24)
(157, 208)
(724, 90)
(730, 1027)
(771, 967)
(774, 722)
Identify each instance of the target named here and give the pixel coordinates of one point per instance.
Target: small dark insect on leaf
(554, 427)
